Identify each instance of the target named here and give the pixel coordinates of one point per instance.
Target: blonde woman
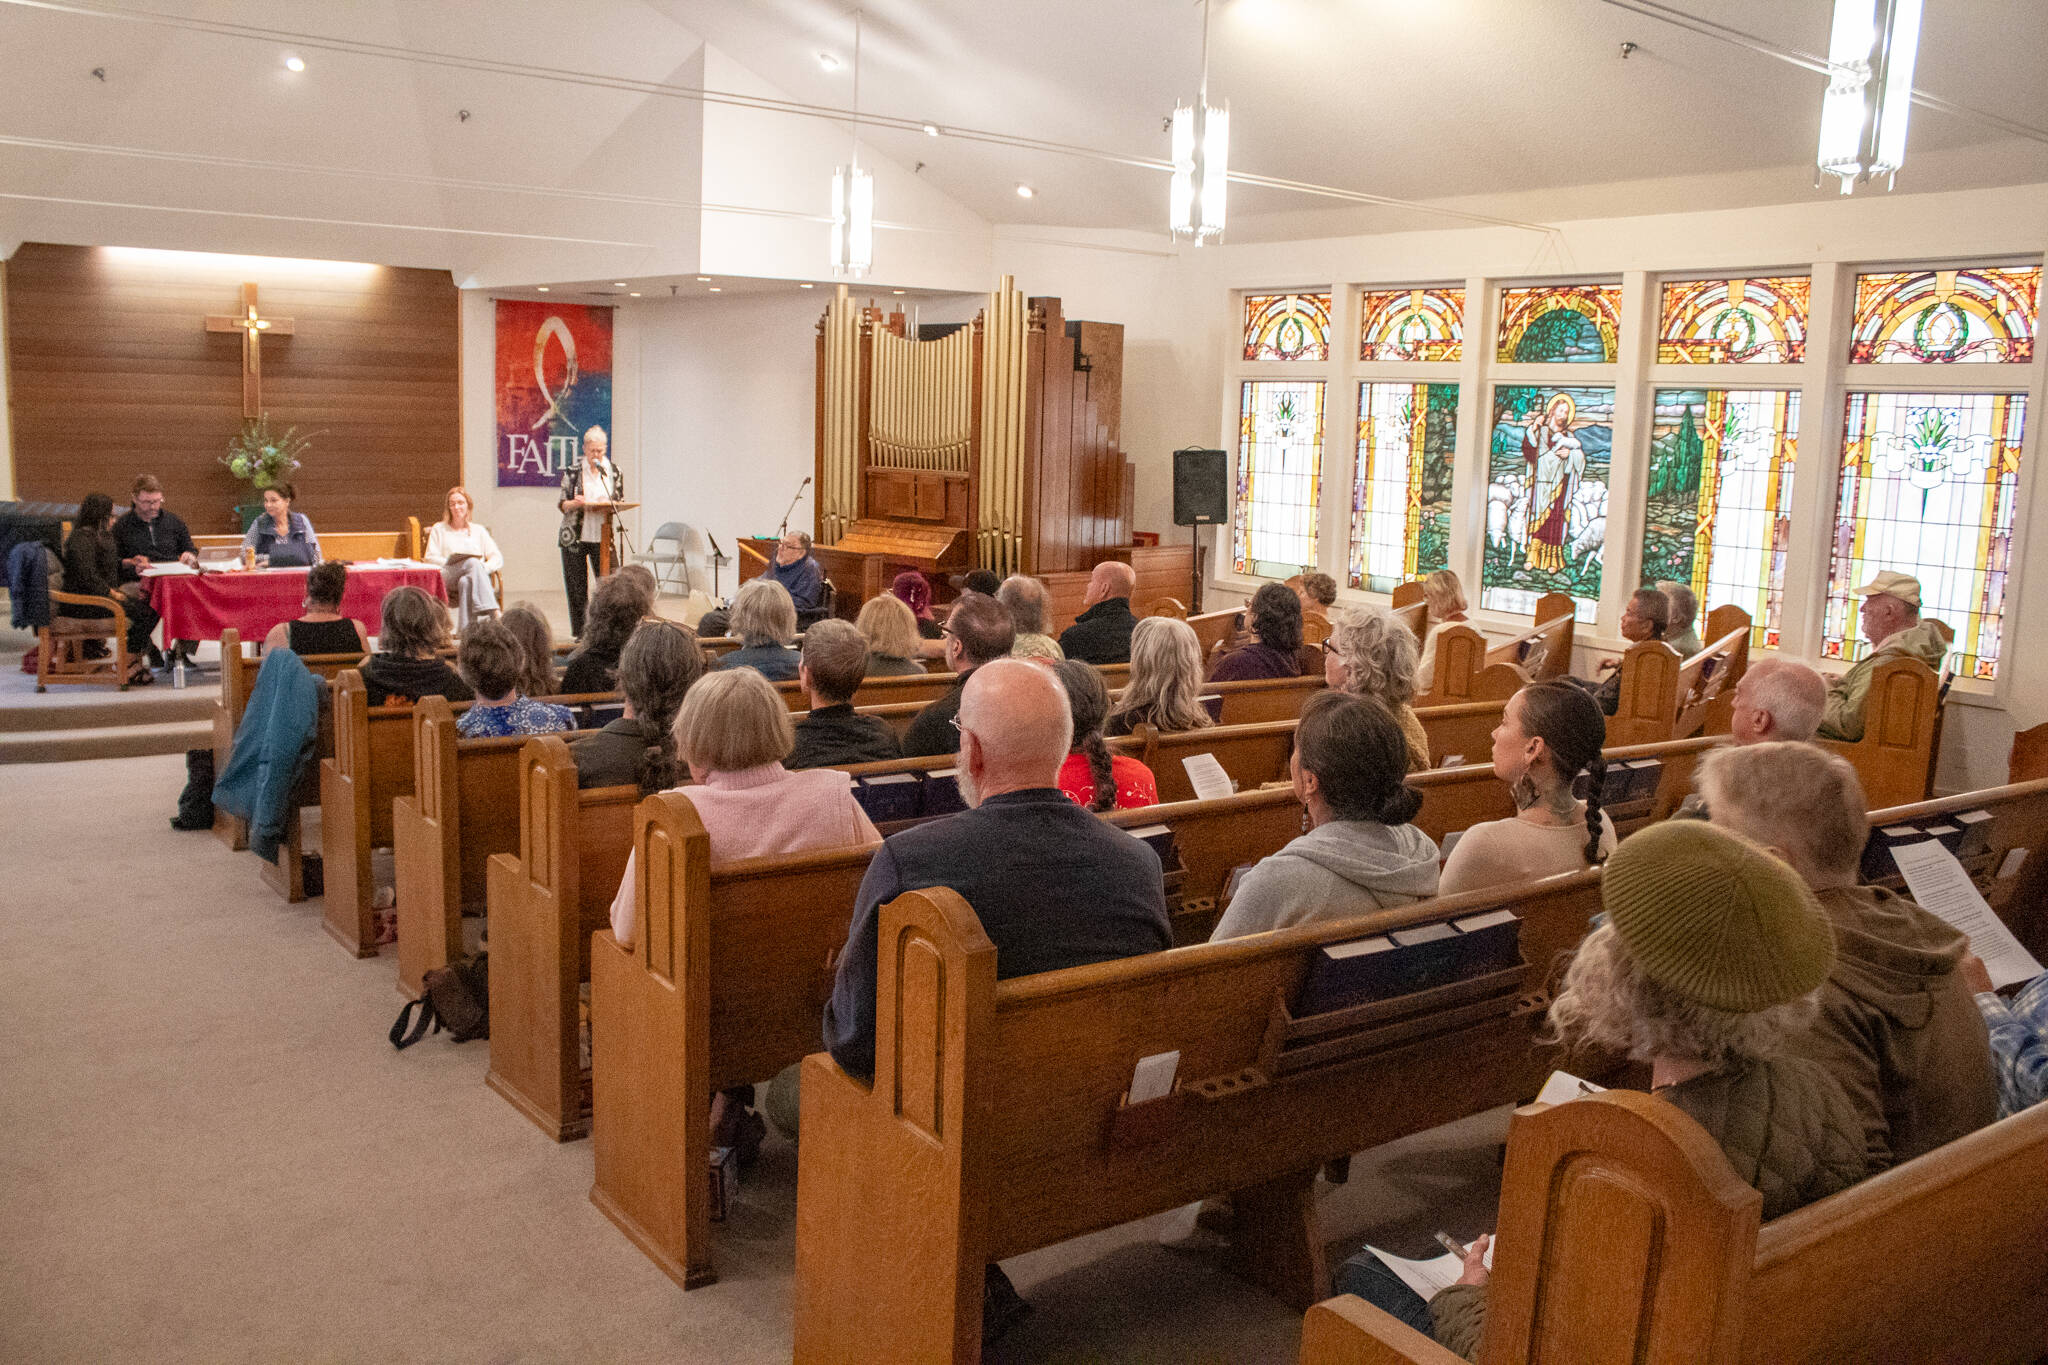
(893, 642)
(1446, 598)
(1371, 654)
(764, 622)
(467, 557)
(1165, 686)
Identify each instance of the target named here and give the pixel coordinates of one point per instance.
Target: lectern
(607, 548)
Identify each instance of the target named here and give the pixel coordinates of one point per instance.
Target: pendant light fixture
(1870, 90)
(1201, 161)
(853, 195)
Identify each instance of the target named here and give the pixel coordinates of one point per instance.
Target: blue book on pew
(888, 797)
(1409, 960)
(1878, 863)
(942, 793)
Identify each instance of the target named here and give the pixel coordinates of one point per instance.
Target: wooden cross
(252, 325)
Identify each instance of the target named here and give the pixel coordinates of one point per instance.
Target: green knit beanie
(1716, 919)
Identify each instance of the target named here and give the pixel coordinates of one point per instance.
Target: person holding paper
(1359, 853)
(2019, 1037)
(467, 557)
(1897, 1025)
(590, 485)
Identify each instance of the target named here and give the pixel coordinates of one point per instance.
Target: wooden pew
(1901, 719)
(237, 679)
(1471, 668)
(368, 767)
(1666, 697)
(885, 691)
(2029, 758)
(998, 1123)
(1412, 606)
(1937, 1259)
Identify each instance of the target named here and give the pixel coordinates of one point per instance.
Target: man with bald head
(1101, 634)
(1777, 700)
(1053, 885)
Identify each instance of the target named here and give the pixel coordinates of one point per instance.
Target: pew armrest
(1347, 1330)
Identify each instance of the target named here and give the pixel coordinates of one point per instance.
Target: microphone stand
(783, 529)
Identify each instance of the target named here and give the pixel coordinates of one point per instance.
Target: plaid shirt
(2019, 1044)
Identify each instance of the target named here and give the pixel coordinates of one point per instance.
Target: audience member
(657, 668)
(467, 557)
(489, 661)
(147, 534)
(1891, 622)
(834, 661)
(617, 607)
(1317, 591)
(1274, 651)
(1092, 777)
(978, 632)
(1165, 686)
(408, 663)
(1549, 734)
(1708, 961)
(536, 648)
(801, 576)
(92, 568)
(2019, 1036)
(320, 627)
(281, 534)
(891, 632)
(913, 591)
(1644, 618)
(764, 622)
(1444, 597)
(1777, 699)
(1101, 634)
(977, 580)
(1025, 598)
(1370, 653)
(1360, 853)
(1683, 611)
(1897, 1027)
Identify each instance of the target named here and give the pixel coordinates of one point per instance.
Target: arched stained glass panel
(1718, 509)
(1287, 327)
(1734, 321)
(1401, 494)
(1279, 477)
(1944, 317)
(1412, 324)
(1929, 482)
(1553, 323)
(1546, 495)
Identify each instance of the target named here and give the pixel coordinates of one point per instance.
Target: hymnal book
(1214, 706)
(1947, 835)
(890, 796)
(1976, 827)
(1644, 777)
(942, 792)
(1232, 882)
(1490, 942)
(1158, 838)
(1405, 961)
(1877, 852)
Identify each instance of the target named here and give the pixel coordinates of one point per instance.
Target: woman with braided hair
(658, 666)
(1549, 733)
(1091, 776)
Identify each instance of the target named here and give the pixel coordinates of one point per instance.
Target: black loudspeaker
(1201, 487)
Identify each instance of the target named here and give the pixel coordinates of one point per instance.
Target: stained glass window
(1401, 497)
(1929, 481)
(1734, 322)
(1719, 504)
(1560, 323)
(1413, 324)
(1279, 475)
(1546, 495)
(1939, 317)
(1287, 327)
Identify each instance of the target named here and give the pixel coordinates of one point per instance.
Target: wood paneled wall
(113, 373)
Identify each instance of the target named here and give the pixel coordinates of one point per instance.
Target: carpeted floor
(209, 1152)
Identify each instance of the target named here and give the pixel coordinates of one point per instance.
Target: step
(129, 741)
(74, 707)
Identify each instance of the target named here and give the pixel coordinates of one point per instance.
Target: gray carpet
(209, 1152)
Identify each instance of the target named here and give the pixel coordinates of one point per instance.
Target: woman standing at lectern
(592, 483)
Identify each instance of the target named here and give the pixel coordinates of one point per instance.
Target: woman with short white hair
(763, 620)
(1370, 653)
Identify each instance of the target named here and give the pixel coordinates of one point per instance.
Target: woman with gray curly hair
(1371, 654)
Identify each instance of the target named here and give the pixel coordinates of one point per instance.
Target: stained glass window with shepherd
(1719, 504)
(1941, 317)
(1734, 321)
(1929, 482)
(1546, 495)
(1279, 477)
(1287, 327)
(1560, 323)
(1412, 324)
(1401, 496)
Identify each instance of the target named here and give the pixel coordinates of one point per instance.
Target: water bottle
(178, 674)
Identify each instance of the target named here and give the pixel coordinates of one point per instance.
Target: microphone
(783, 529)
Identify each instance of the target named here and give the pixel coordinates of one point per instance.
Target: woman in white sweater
(467, 557)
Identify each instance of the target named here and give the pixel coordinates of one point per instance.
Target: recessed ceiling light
(541, 288)
(931, 130)
(828, 61)
(895, 291)
(1025, 191)
(634, 295)
(807, 285)
(295, 63)
(716, 290)
(618, 284)
(703, 279)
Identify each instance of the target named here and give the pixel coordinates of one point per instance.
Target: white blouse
(444, 543)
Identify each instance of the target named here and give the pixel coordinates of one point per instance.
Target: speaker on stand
(1201, 497)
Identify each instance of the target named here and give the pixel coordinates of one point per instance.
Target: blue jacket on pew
(272, 744)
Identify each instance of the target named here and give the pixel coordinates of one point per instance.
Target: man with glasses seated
(146, 534)
(979, 631)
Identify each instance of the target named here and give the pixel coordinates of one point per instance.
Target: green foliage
(1677, 466)
(264, 457)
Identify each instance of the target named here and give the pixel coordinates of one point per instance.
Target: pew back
(1901, 714)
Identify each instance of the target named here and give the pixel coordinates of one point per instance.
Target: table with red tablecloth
(251, 601)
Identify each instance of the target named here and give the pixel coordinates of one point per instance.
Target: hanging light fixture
(1870, 90)
(853, 195)
(1201, 161)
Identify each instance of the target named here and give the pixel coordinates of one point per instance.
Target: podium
(607, 543)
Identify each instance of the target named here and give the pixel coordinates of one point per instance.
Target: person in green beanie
(1709, 959)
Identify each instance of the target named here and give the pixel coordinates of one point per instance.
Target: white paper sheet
(1563, 1086)
(1153, 1076)
(1431, 1277)
(1941, 886)
(172, 569)
(1210, 781)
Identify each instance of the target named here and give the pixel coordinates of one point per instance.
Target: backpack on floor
(195, 803)
(457, 998)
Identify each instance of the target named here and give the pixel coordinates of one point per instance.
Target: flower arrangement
(262, 457)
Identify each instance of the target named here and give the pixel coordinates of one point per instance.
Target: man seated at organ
(795, 569)
(1890, 616)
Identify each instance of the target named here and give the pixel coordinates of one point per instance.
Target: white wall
(6, 431)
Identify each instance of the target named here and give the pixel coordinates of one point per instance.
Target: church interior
(1429, 371)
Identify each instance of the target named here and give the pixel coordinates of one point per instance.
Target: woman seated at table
(280, 526)
(620, 603)
(536, 648)
(92, 568)
(467, 557)
(764, 622)
(321, 629)
(1274, 619)
(489, 662)
(1092, 777)
(1165, 688)
(892, 638)
(408, 663)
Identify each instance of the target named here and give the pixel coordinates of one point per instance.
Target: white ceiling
(1520, 106)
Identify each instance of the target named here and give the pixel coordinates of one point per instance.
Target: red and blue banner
(554, 382)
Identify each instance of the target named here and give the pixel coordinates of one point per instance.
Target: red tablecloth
(201, 606)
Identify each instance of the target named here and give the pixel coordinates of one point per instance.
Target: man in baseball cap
(1891, 622)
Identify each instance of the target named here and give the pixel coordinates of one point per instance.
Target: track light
(1863, 116)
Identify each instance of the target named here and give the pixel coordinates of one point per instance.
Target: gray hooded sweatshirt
(1336, 871)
